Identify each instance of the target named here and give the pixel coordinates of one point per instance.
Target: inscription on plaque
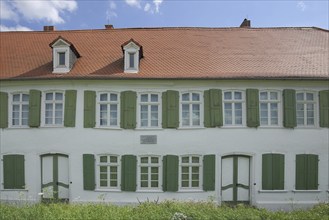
(148, 139)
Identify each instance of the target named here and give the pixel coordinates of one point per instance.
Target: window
(132, 60)
(149, 172)
(133, 52)
(307, 171)
(191, 109)
(61, 58)
(273, 172)
(269, 108)
(149, 110)
(305, 104)
(233, 108)
(20, 110)
(13, 171)
(54, 108)
(108, 109)
(108, 172)
(190, 172)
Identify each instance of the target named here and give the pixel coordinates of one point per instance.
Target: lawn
(164, 210)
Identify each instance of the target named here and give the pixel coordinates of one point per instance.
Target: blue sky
(84, 14)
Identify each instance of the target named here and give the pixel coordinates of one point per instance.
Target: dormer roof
(61, 41)
(131, 42)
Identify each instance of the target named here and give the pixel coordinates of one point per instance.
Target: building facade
(127, 115)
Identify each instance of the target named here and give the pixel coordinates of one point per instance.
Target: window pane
(59, 96)
(195, 97)
(263, 96)
(103, 97)
(144, 160)
(113, 169)
(25, 97)
(309, 97)
(186, 97)
(228, 95)
(49, 96)
(113, 159)
(154, 98)
(300, 96)
(103, 159)
(58, 107)
(185, 159)
(195, 159)
(154, 160)
(131, 60)
(238, 95)
(144, 98)
(113, 97)
(274, 95)
(61, 58)
(16, 98)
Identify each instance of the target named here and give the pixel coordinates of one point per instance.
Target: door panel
(235, 179)
(55, 176)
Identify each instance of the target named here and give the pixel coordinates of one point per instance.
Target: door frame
(55, 183)
(235, 183)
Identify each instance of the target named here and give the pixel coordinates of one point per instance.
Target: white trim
(20, 103)
(272, 191)
(149, 165)
(61, 68)
(98, 103)
(149, 103)
(315, 103)
(233, 101)
(191, 103)
(108, 164)
(131, 48)
(43, 108)
(268, 102)
(190, 165)
(307, 191)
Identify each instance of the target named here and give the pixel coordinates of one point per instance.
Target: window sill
(191, 128)
(149, 191)
(307, 191)
(52, 126)
(234, 126)
(190, 190)
(148, 129)
(271, 127)
(8, 190)
(107, 190)
(18, 127)
(272, 191)
(108, 128)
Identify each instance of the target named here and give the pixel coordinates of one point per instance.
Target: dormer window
(64, 55)
(132, 52)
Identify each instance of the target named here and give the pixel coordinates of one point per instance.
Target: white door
(55, 176)
(235, 179)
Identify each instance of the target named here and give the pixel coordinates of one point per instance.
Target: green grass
(149, 210)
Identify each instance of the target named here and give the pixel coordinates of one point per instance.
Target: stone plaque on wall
(148, 139)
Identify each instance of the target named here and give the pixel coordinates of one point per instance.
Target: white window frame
(20, 103)
(61, 68)
(149, 165)
(190, 165)
(305, 102)
(53, 102)
(98, 104)
(149, 104)
(131, 48)
(269, 102)
(108, 164)
(233, 100)
(191, 103)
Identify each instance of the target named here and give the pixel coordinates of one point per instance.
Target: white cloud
(50, 11)
(147, 7)
(157, 4)
(301, 5)
(113, 6)
(134, 3)
(17, 28)
(110, 12)
(7, 12)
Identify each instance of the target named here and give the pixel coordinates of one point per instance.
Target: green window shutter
(301, 170)
(89, 109)
(267, 172)
(324, 108)
(209, 171)
(128, 173)
(252, 107)
(34, 108)
(312, 171)
(213, 115)
(128, 109)
(170, 173)
(70, 108)
(88, 172)
(13, 172)
(278, 171)
(3, 110)
(289, 108)
(170, 109)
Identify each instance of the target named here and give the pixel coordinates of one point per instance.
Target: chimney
(109, 26)
(245, 23)
(48, 28)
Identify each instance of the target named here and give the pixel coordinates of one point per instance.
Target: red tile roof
(173, 53)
